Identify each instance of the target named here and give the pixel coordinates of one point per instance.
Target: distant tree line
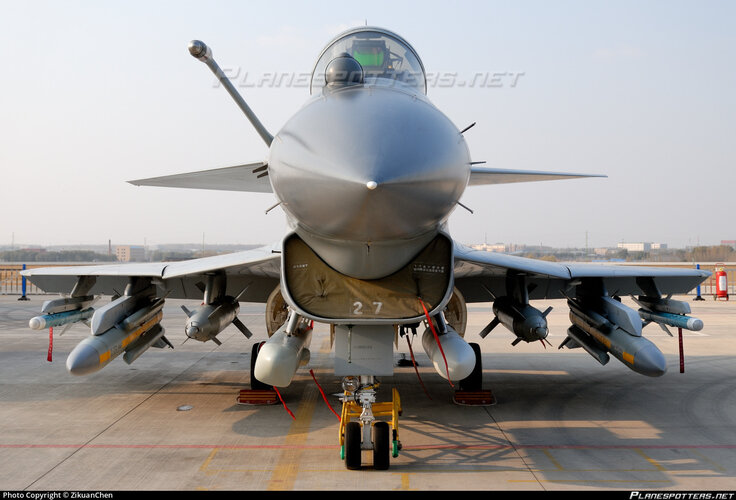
(719, 253)
(35, 255)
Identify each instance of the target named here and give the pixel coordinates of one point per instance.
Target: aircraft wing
(483, 175)
(481, 275)
(251, 177)
(256, 269)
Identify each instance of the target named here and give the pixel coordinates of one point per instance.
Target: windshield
(386, 58)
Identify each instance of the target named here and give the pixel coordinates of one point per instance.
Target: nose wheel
(360, 430)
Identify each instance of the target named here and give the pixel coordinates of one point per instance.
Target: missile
(145, 341)
(588, 343)
(117, 310)
(66, 304)
(142, 315)
(676, 320)
(59, 319)
(207, 321)
(97, 350)
(637, 353)
(523, 320)
(281, 355)
(659, 304)
(458, 353)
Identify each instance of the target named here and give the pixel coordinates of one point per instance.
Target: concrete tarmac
(170, 421)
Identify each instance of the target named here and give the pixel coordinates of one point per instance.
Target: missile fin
(186, 311)
(547, 311)
(214, 312)
(214, 339)
(493, 324)
(243, 329)
(162, 342)
(237, 298)
(68, 325)
(667, 330)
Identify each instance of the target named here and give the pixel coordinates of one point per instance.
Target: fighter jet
(368, 172)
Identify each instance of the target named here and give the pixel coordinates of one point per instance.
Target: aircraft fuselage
(367, 171)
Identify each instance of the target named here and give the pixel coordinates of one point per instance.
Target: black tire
(474, 381)
(381, 446)
(256, 384)
(352, 446)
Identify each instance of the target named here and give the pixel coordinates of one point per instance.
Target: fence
(11, 282)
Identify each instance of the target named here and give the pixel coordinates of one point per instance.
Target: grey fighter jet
(368, 172)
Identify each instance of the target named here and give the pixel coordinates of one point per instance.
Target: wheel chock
(258, 397)
(474, 398)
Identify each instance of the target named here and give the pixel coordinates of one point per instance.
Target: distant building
(130, 253)
(498, 247)
(729, 243)
(642, 246)
(635, 247)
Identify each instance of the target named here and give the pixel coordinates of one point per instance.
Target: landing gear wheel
(381, 446)
(474, 381)
(352, 446)
(256, 384)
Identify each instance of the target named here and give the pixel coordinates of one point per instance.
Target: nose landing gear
(368, 433)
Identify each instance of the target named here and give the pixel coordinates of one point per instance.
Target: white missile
(59, 319)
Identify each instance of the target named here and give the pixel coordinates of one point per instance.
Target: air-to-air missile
(524, 321)
(458, 354)
(665, 311)
(127, 325)
(63, 311)
(676, 320)
(208, 320)
(59, 319)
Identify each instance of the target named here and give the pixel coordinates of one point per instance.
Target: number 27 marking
(358, 307)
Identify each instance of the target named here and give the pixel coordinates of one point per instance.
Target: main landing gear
(368, 433)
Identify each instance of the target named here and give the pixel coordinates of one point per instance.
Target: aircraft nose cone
(369, 164)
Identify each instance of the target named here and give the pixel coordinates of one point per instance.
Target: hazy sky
(96, 93)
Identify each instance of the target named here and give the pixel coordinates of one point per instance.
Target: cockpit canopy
(386, 59)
